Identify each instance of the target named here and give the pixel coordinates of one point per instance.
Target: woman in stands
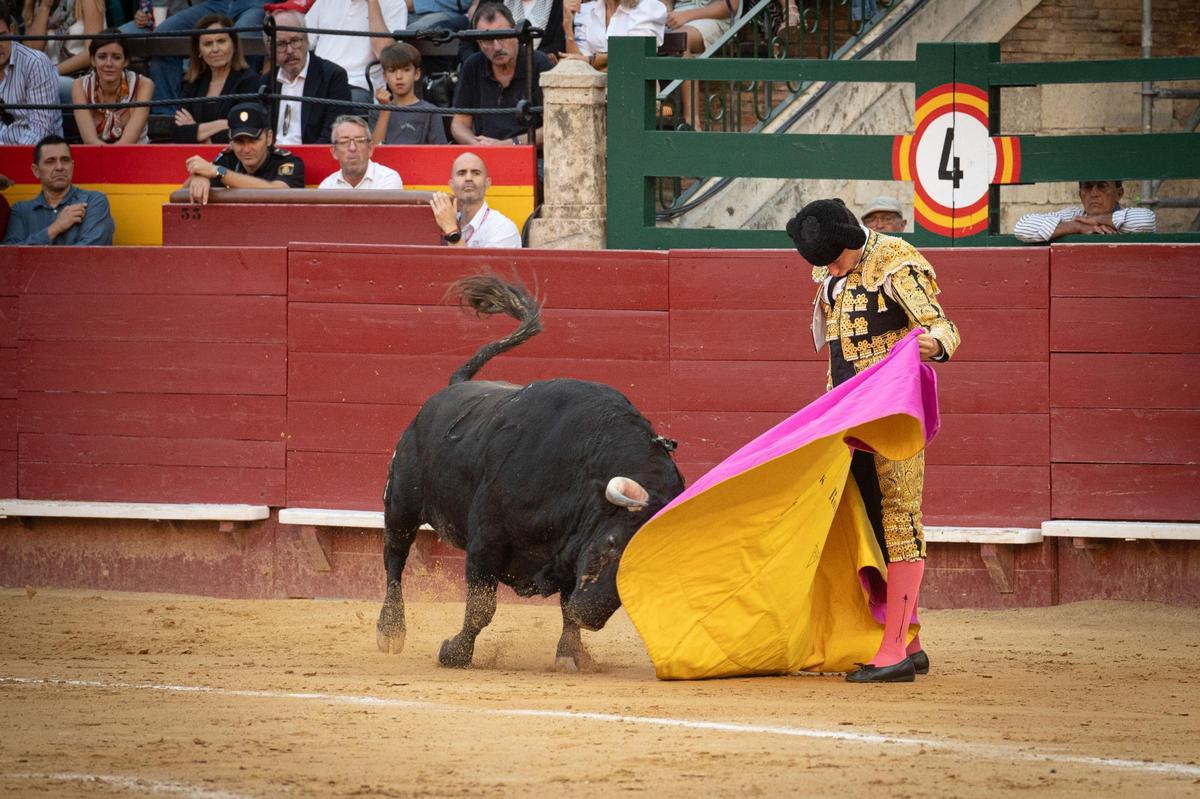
(62, 17)
(111, 81)
(216, 67)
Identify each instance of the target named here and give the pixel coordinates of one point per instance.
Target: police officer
(251, 162)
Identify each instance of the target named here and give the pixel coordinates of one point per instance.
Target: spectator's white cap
(882, 203)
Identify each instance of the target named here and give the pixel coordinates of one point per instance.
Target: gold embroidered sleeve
(916, 291)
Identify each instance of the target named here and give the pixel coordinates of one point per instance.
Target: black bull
(543, 485)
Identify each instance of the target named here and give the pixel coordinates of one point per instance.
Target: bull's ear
(626, 493)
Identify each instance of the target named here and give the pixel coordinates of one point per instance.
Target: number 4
(944, 173)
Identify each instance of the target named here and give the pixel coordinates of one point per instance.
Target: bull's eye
(612, 542)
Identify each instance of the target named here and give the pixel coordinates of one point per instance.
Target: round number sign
(952, 160)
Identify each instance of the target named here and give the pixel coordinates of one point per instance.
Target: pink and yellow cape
(755, 569)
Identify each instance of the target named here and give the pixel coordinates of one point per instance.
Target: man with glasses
(352, 149)
(304, 74)
(1099, 212)
(251, 162)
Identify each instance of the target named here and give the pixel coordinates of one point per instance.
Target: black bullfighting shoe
(920, 661)
(904, 671)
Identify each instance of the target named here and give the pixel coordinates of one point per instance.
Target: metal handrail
(760, 21)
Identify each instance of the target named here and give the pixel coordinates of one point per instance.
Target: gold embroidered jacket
(891, 291)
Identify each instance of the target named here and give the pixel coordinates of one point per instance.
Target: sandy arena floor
(140, 694)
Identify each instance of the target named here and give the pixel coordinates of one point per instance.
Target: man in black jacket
(305, 74)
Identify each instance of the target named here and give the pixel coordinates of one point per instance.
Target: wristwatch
(453, 237)
(221, 172)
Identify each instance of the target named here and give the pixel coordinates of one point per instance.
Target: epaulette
(889, 256)
(819, 274)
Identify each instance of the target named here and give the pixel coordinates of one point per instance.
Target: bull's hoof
(390, 643)
(565, 665)
(455, 655)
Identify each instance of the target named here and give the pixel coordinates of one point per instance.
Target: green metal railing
(960, 82)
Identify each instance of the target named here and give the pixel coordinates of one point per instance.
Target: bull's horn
(627, 493)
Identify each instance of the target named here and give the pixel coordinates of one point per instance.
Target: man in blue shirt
(62, 213)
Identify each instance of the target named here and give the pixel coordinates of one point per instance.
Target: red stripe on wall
(179, 416)
(164, 163)
(634, 281)
(150, 270)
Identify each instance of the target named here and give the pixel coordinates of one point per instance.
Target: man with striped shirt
(1099, 212)
(26, 76)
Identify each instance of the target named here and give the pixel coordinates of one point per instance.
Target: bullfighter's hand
(197, 165)
(930, 347)
(445, 211)
(198, 189)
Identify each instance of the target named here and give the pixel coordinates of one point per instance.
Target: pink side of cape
(899, 384)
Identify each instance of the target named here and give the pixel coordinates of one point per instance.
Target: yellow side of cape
(759, 574)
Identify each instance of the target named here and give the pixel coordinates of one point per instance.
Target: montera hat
(823, 229)
(247, 119)
(883, 203)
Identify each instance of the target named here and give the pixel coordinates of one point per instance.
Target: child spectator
(402, 69)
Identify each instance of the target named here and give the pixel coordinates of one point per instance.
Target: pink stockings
(903, 588)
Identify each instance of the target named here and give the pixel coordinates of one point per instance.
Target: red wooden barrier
(1125, 382)
(370, 339)
(210, 374)
(151, 379)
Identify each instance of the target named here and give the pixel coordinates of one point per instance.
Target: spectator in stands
(424, 15)
(167, 71)
(546, 15)
(305, 74)
(63, 17)
(110, 81)
(1099, 212)
(704, 21)
(355, 53)
(215, 68)
(495, 77)
(588, 25)
(251, 162)
(26, 76)
(884, 215)
(62, 213)
(352, 148)
(402, 69)
(465, 219)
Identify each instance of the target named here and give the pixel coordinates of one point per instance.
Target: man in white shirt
(352, 149)
(354, 53)
(466, 220)
(1099, 212)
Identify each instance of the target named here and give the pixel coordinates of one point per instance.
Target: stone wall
(1061, 30)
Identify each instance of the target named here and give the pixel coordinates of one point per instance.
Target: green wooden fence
(956, 157)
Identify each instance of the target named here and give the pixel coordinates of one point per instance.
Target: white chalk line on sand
(981, 750)
(133, 785)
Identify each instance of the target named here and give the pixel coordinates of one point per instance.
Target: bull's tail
(487, 295)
